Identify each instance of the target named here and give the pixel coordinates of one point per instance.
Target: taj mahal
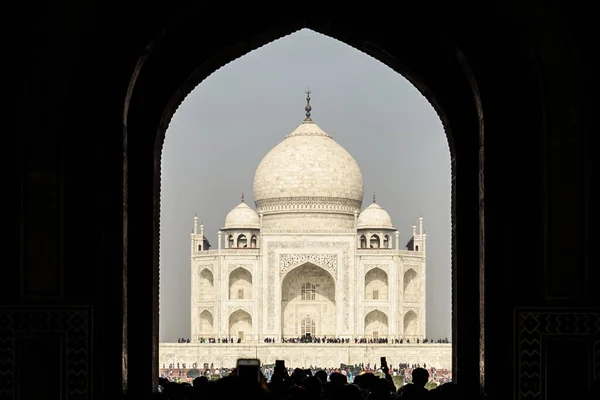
(308, 261)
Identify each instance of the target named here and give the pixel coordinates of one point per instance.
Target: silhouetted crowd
(324, 339)
(358, 382)
(218, 340)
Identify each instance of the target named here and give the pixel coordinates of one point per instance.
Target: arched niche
(206, 290)
(376, 285)
(206, 326)
(240, 324)
(240, 284)
(411, 285)
(376, 324)
(410, 325)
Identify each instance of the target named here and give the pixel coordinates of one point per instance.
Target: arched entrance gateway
(452, 73)
(484, 65)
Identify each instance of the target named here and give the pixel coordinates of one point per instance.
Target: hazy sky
(230, 121)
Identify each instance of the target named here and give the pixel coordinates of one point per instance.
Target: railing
(322, 344)
(254, 251)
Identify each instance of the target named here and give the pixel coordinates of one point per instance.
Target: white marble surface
(304, 355)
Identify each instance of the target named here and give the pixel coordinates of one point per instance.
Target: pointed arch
(374, 241)
(240, 324)
(376, 324)
(410, 324)
(240, 284)
(206, 325)
(376, 284)
(206, 290)
(308, 291)
(411, 285)
(363, 242)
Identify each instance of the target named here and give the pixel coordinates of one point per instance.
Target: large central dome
(308, 172)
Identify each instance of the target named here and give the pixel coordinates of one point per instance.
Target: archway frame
(436, 67)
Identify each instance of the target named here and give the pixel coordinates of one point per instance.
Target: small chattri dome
(374, 217)
(242, 217)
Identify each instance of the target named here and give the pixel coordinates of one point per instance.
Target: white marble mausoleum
(308, 259)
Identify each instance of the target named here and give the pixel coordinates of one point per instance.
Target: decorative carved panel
(74, 324)
(327, 261)
(414, 309)
(210, 309)
(207, 266)
(533, 325)
(380, 251)
(383, 267)
(413, 267)
(383, 309)
(312, 204)
(236, 266)
(233, 309)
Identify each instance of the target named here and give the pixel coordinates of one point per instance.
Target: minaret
(193, 236)
(422, 236)
(397, 240)
(414, 232)
(202, 236)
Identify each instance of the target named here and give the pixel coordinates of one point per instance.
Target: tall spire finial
(308, 108)
(242, 197)
(373, 197)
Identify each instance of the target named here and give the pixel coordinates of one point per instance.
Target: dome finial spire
(242, 197)
(373, 197)
(308, 108)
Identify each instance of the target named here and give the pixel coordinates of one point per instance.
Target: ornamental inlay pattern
(413, 267)
(236, 266)
(308, 231)
(383, 267)
(363, 252)
(210, 309)
(383, 309)
(326, 261)
(313, 204)
(255, 251)
(413, 309)
(274, 273)
(233, 309)
(532, 326)
(73, 324)
(205, 266)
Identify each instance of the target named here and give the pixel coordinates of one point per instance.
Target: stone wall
(305, 355)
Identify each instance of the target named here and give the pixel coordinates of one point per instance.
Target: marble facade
(308, 260)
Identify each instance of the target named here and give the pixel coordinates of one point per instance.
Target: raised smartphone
(383, 362)
(249, 369)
